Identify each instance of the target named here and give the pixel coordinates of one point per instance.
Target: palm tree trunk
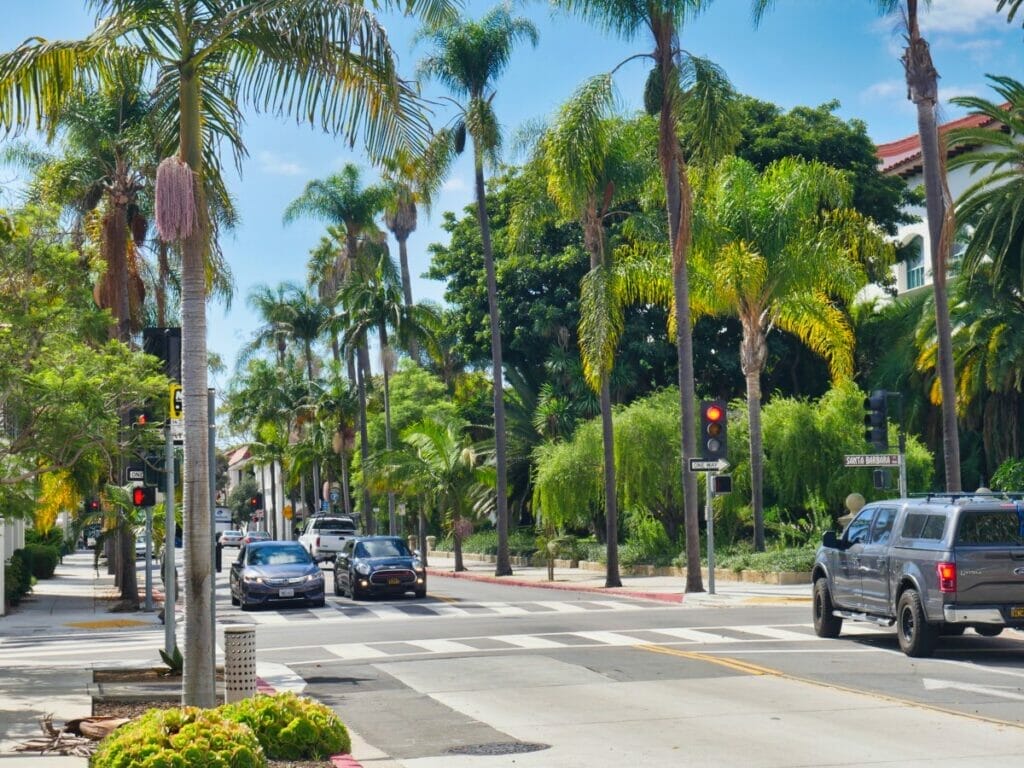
(678, 196)
(611, 506)
(392, 517)
(922, 85)
(317, 490)
(272, 500)
(164, 271)
(346, 495)
(362, 373)
(753, 354)
(198, 683)
(422, 531)
(503, 565)
(457, 542)
(403, 259)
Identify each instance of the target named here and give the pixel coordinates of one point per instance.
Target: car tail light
(947, 576)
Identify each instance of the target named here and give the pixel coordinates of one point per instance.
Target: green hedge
(42, 560)
(17, 578)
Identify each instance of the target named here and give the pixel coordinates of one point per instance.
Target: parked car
(378, 565)
(325, 535)
(275, 571)
(932, 566)
(230, 538)
(252, 536)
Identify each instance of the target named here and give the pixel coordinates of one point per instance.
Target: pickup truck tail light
(316, 542)
(947, 576)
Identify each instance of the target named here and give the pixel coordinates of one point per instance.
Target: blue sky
(805, 52)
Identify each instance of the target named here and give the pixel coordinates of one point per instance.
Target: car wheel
(320, 603)
(354, 590)
(243, 603)
(234, 600)
(917, 637)
(337, 584)
(988, 630)
(825, 623)
(421, 593)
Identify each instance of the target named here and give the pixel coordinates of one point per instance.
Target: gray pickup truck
(932, 566)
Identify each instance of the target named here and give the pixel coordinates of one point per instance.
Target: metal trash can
(239, 662)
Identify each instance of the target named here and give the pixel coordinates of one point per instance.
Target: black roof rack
(954, 495)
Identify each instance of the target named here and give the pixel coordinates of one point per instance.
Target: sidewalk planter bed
(290, 727)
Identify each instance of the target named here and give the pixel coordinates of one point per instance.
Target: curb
(339, 761)
(660, 596)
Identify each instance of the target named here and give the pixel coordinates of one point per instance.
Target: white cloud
(271, 163)
(959, 16)
(455, 184)
(885, 89)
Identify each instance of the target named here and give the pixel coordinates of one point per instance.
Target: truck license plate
(287, 592)
(1017, 612)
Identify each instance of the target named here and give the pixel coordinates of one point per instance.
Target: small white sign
(871, 460)
(708, 465)
(178, 431)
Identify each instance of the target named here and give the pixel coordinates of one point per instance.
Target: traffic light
(91, 506)
(165, 344)
(141, 417)
(714, 429)
(256, 502)
(143, 495)
(876, 421)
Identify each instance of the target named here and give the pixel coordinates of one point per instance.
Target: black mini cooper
(373, 565)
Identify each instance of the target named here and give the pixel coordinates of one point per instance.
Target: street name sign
(708, 465)
(871, 460)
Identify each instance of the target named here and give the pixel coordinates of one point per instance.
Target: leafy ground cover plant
(176, 738)
(290, 727)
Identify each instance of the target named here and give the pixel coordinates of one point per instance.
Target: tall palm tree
(326, 62)
(373, 302)
(468, 57)
(778, 250)
(272, 308)
(923, 90)
(588, 163)
(343, 202)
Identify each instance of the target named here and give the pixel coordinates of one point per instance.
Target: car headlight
(252, 579)
(363, 568)
(314, 577)
(417, 565)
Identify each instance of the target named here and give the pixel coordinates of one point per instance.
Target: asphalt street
(486, 674)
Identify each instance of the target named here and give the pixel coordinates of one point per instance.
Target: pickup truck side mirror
(829, 540)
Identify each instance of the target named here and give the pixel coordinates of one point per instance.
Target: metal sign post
(170, 570)
(710, 516)
(149, 559)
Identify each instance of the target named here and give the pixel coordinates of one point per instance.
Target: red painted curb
(660, 596)
(340, 761)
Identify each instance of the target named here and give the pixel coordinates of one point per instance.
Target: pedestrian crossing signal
(143, 496)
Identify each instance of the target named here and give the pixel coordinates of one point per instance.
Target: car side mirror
(416, 554)
(830, 540)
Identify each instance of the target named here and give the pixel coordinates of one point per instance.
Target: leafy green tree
(469, 56)
(776, 249)
(326, 62)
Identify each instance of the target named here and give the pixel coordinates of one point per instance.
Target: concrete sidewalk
(671, 589)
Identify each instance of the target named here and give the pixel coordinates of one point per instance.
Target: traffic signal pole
(709, 515)
(170, 571)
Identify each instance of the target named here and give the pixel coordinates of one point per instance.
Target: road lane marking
(608, 638)
(442, 646)
(695, 635)
(355, 651)
(723, 661)
(529, 641)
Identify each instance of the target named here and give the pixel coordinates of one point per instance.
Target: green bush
(53, 537)
(1009, 476)
(741, 559)
(521, 542)
(189, 737)
(42, 560)
(17, 579)
(290, 727)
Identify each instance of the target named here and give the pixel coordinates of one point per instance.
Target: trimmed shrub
(189, 737)
(42, 560)
(291, 727)
(17, 579)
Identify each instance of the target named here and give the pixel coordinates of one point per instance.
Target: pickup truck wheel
(917, 637)
(825, 623)
(988, 630)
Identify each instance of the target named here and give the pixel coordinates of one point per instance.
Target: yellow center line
(445, 598)
(755, 669)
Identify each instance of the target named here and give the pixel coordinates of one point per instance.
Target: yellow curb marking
(754, 669)
(107, 624)
(445, 598)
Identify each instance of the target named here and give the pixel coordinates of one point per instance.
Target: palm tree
(680, 87)
(351, 209)
(923, 89)
(778, 249)
(469, 56)
(327, 62)
(272, 308)
(440, 464)
(373, 302)
(587, 164)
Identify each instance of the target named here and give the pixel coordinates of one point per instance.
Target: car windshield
(382, 548)
(278, 556)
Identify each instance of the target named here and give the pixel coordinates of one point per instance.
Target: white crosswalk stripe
(695, 635)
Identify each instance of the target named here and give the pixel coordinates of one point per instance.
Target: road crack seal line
(755, 669)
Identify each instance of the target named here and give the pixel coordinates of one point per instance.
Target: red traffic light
(713, 413)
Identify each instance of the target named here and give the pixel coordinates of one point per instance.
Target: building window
(915, 265)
